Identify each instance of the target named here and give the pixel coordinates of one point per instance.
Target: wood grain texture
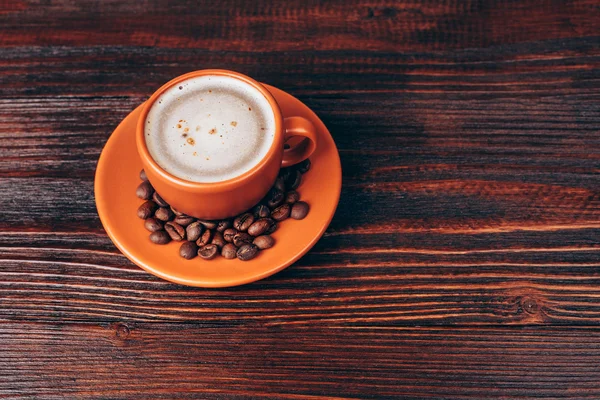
(395, 286)
(165, 361)
(298, 24)
(463, 260)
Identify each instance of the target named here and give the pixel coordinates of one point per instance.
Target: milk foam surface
(209, 128)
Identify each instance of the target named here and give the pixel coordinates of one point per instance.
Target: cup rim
(144, 153)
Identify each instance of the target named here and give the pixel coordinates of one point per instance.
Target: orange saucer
(117, 177)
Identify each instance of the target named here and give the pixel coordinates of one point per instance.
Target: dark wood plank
(297, 24)
(517, 107)
(64, 276)
(156, 361)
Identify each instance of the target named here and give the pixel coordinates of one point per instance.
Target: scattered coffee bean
(274, 198)
(272, 229)
(218, 239)
(144, 191)
(178, 213)
(247, 252)
(260, 226)
(229, 234)
(164, 214)
(159, 200)
(243, 222)
(160, 237)
(194, 230)
(208, 252)
(294, 180)
(264, 242)
(304, 166)
(299, 210)
(229, 251)
(261, 211)
(153, 225)
(285, 173)
(280, 184)
(176, 231)
(242, 238)
(146, 210)
(281, 213)
(208, 224)
(224, 224)
(292, 196)
(205, 238)
(188, 250)
(184, 220)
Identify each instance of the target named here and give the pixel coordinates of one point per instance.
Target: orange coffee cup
(224, 199)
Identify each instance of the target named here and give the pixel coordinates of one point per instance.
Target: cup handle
(298, 127)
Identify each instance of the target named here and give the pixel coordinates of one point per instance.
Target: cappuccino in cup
(209, 128)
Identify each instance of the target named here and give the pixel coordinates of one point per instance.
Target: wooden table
(464, 258)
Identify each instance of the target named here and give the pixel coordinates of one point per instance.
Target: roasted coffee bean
(272, 229)
(208, 252)
(243, 222)
(280, 184)
(159, 200)
(272, 226)
(260, 226)
(294, 180)
(176, 231)
(292, 196)
(218, 239)
(261, 211)
(264, 242)
(247, 252)
(188, 250)
(229, 234)
(194, 231)
(143, 175)
(229, 251)
(184, 220)
(164, 214)
(208, 224)
(299, 210)
(285, 173)
(146, 210)
(153, 225)
(144, 191)
(304, 166)
(242, 238)
(224, 224)
(178, 213)
(281, 213)
(160, 237)
(205, 238)
(274, 198)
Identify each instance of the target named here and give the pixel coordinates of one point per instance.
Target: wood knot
(122, 331)
(529, 305)
(381, 12)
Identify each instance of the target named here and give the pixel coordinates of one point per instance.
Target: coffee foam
(209, 128)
